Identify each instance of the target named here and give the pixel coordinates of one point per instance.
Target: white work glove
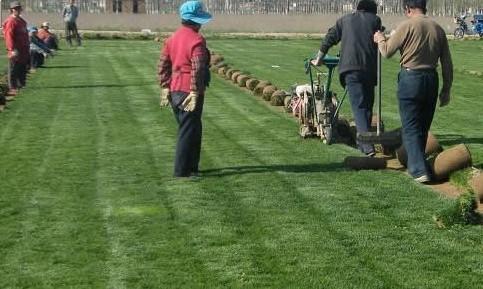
(319, 59)
(444, 98)
(164, 97)
(189, 103)
(13, 54)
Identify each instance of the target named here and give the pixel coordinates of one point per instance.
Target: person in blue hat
(183, 73)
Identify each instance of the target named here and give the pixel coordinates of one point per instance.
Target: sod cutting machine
(317, 108)
(315, 104)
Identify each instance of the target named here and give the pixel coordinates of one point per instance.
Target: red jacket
(43, 34)
(17, 38)
(184, 61)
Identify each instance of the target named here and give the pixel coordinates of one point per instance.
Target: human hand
(379, 37)
(164, 97)
(189, 103)
(13, 54)
(319, 59)
(444, 98)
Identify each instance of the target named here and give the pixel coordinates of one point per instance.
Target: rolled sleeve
(164, 68)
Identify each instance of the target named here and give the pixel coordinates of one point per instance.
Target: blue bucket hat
(193, 11)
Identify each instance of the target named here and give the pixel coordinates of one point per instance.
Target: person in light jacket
(70, 14)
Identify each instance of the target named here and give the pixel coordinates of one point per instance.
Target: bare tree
(435, 7)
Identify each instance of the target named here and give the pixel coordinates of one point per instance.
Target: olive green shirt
(421, 42)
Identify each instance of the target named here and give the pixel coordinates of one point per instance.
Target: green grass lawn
(87, 199)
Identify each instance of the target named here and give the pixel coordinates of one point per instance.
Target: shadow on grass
(98, 85)
(303, 168)
(61, 66)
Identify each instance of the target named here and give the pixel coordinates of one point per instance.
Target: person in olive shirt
(421, 42)
(358, 61)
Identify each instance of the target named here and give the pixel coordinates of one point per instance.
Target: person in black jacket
(358, 61)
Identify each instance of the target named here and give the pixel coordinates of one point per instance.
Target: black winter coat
(355, 31)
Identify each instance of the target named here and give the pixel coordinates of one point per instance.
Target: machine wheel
(328, 135)
(459, 33)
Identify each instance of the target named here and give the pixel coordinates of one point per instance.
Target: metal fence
(240, 7)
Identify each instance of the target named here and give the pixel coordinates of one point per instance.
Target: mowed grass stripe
(62, 207)
(147, 213)
(271, 211)
(280, 195)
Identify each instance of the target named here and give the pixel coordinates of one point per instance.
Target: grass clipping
(461, 212)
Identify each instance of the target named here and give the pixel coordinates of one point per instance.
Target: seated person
(49, 38)
(38, 50)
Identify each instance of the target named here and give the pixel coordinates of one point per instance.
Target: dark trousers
(188, 147)
(37, 59)
(417, 94)
(71, 31)
(51, 42)
(361, 94)
(17, 74)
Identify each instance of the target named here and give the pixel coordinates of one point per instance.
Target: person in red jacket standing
(183, 76)
(17, 44)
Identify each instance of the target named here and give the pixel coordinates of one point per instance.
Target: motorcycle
(463, 28)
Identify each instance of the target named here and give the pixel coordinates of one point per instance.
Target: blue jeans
(361, 93)
(417, 95)
(188, 146)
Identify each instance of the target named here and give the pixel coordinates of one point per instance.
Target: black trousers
(361, 93)
(36, 59)
(188, 146)
(71, 31)
(17, 74)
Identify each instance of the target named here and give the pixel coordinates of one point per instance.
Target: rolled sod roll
(220, 64)
(432, 147)
(268, 91)
(476, 183)
(215, 58)
(365, 163)
(230, 72)
(277, 98)
(451, 160)
(242, 80)
(252, 83)
(222, 70)
(235, 75)
(286, 101)
(260, 86)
